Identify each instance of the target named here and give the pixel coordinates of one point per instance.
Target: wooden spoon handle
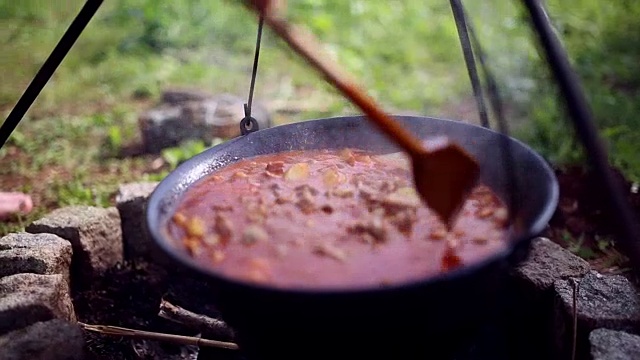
(305, 44)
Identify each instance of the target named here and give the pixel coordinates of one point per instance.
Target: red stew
(319, 219)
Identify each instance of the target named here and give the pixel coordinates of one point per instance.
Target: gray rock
(602, 301)
(149, 349)
(181, 95)
(609, 301)
(173, 122)
(50, 340)
(548, 262)
(44, 254)
(131, 201)
(95, 234)
(531, 284)
(29, 298)
(614, 345)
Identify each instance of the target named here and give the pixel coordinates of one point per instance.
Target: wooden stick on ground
(148, 335)
(212, 327)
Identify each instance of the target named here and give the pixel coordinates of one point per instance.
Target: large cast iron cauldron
(428, 319)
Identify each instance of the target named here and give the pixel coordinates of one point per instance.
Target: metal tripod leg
(584, 125)
(48, 68)
(471, 49)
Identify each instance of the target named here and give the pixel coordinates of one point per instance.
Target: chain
(249, 124)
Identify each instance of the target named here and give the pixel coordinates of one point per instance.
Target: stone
(94, 233)
(602, 301)
(178, 96)
(29, 298)
(44, 254)
(614, 345)
(149, 349)
(609, 301)
(131, 202)
(531, 286)
(205, 119)
(49, 340)
(548, 262)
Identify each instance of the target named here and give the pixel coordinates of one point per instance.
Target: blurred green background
(405, 52)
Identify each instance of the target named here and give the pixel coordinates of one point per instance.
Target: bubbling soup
(330, 219)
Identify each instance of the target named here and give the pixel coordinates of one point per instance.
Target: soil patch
(583, 222)
(129, 296)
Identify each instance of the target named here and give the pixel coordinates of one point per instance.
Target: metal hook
(249, 124)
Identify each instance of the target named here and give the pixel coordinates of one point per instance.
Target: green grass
(137, 47)
(406, 53)
(65, 151)
(603, 39)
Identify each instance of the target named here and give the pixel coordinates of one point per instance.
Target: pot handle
(248, 124)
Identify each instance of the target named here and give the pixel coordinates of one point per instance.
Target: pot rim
(161, 239)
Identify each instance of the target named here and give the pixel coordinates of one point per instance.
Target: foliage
(603, 41)
(175, 156)
(136, 47)
(406, 53)
(601, 252)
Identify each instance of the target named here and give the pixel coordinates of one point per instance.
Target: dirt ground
(584, 224)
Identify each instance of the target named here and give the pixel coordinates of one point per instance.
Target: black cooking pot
(428, 319)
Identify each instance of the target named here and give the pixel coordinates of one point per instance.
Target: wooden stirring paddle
(443, 174)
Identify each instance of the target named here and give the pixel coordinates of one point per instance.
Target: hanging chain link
(249, 124)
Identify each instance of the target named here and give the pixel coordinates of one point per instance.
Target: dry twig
(212, 327)
(148, 335)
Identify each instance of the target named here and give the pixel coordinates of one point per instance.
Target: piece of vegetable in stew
(329, 219)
